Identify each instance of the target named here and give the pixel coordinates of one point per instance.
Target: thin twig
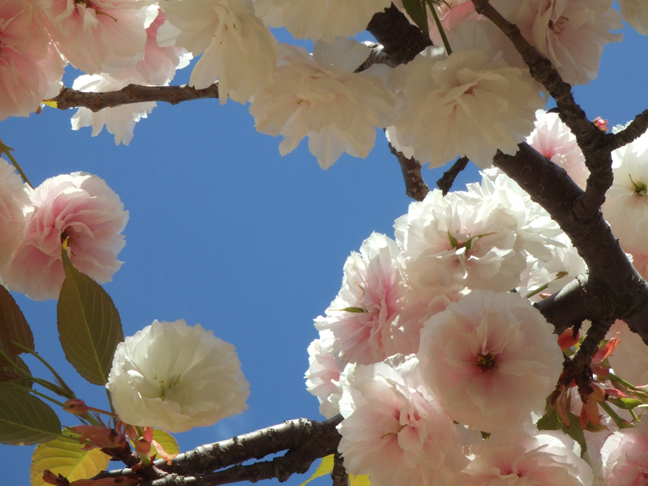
(339, 474)
(449, 176)
(133, 93)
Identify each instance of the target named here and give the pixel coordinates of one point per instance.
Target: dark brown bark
(415, 186)
(449, 176)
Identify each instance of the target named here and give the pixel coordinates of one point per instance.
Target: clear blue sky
(225, 232)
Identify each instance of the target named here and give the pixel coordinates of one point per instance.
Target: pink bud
(601, 124)
(567, 339)
(75, 407)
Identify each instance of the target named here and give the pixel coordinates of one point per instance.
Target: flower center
(486, 362)
(640, 188)
(166, 385)
(558, 26)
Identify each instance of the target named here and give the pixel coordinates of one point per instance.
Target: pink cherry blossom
(361, 315)
(625, 456)
(323, 374)
(30, 66)
(460, 240)
(491, 358)
(394, 430)
(77, 206)
(516, 457)
(570, 33)
(99, 35)
(553, 139)
(14, 203)
(630, 359)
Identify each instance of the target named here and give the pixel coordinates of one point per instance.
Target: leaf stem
(58, 378)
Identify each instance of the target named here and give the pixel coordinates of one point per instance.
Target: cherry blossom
(323, 374)
(491, 358)
(517, 457)
(461, 240)
(360, 318)
(394, 430)
(635, 12)
(176, 377)
(570, 33)
(553, 139)
(14, 203)
(321, 97)
(314, 19)
(99, 35)
(630, 359)
(237, 49)
(30, 66)
(79, 207)
(465, 104)
(627, 200)
(625, 456)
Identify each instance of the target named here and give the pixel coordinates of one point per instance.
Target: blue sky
(225, 232)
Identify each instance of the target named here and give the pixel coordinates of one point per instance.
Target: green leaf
(166, 440)
(9, 375)
(64, 456)
(418, 13)
(575, 432)
(625, 403)
(549, 422)
(13, 321)
(25, 419)
(325, 467)
(88, 324)
(359, 481)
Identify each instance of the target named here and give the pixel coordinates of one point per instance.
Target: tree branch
(613, 289)
(415, 186)
(314, 437)
(133, 93)
(401, 40)
(633, 131)
(449, 176)
(591, 140)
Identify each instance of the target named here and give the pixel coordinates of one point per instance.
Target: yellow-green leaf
(359, 481)
(88, 324)
(167, 441)
(50, 103)
(417, 11)
(25, 419)
(325, 467)
(64, 456)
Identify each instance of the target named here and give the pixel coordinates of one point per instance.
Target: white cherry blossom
(176, 377)
(237, 49)
(465, 104)
(320, 97)
(314, 19)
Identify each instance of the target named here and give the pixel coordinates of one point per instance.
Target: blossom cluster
(472, 102)
(433, 338)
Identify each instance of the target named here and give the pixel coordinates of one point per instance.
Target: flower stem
(7, 150)
(437, 21)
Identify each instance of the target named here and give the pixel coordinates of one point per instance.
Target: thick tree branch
(614, 289)
(70, 98)
(318, 438)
